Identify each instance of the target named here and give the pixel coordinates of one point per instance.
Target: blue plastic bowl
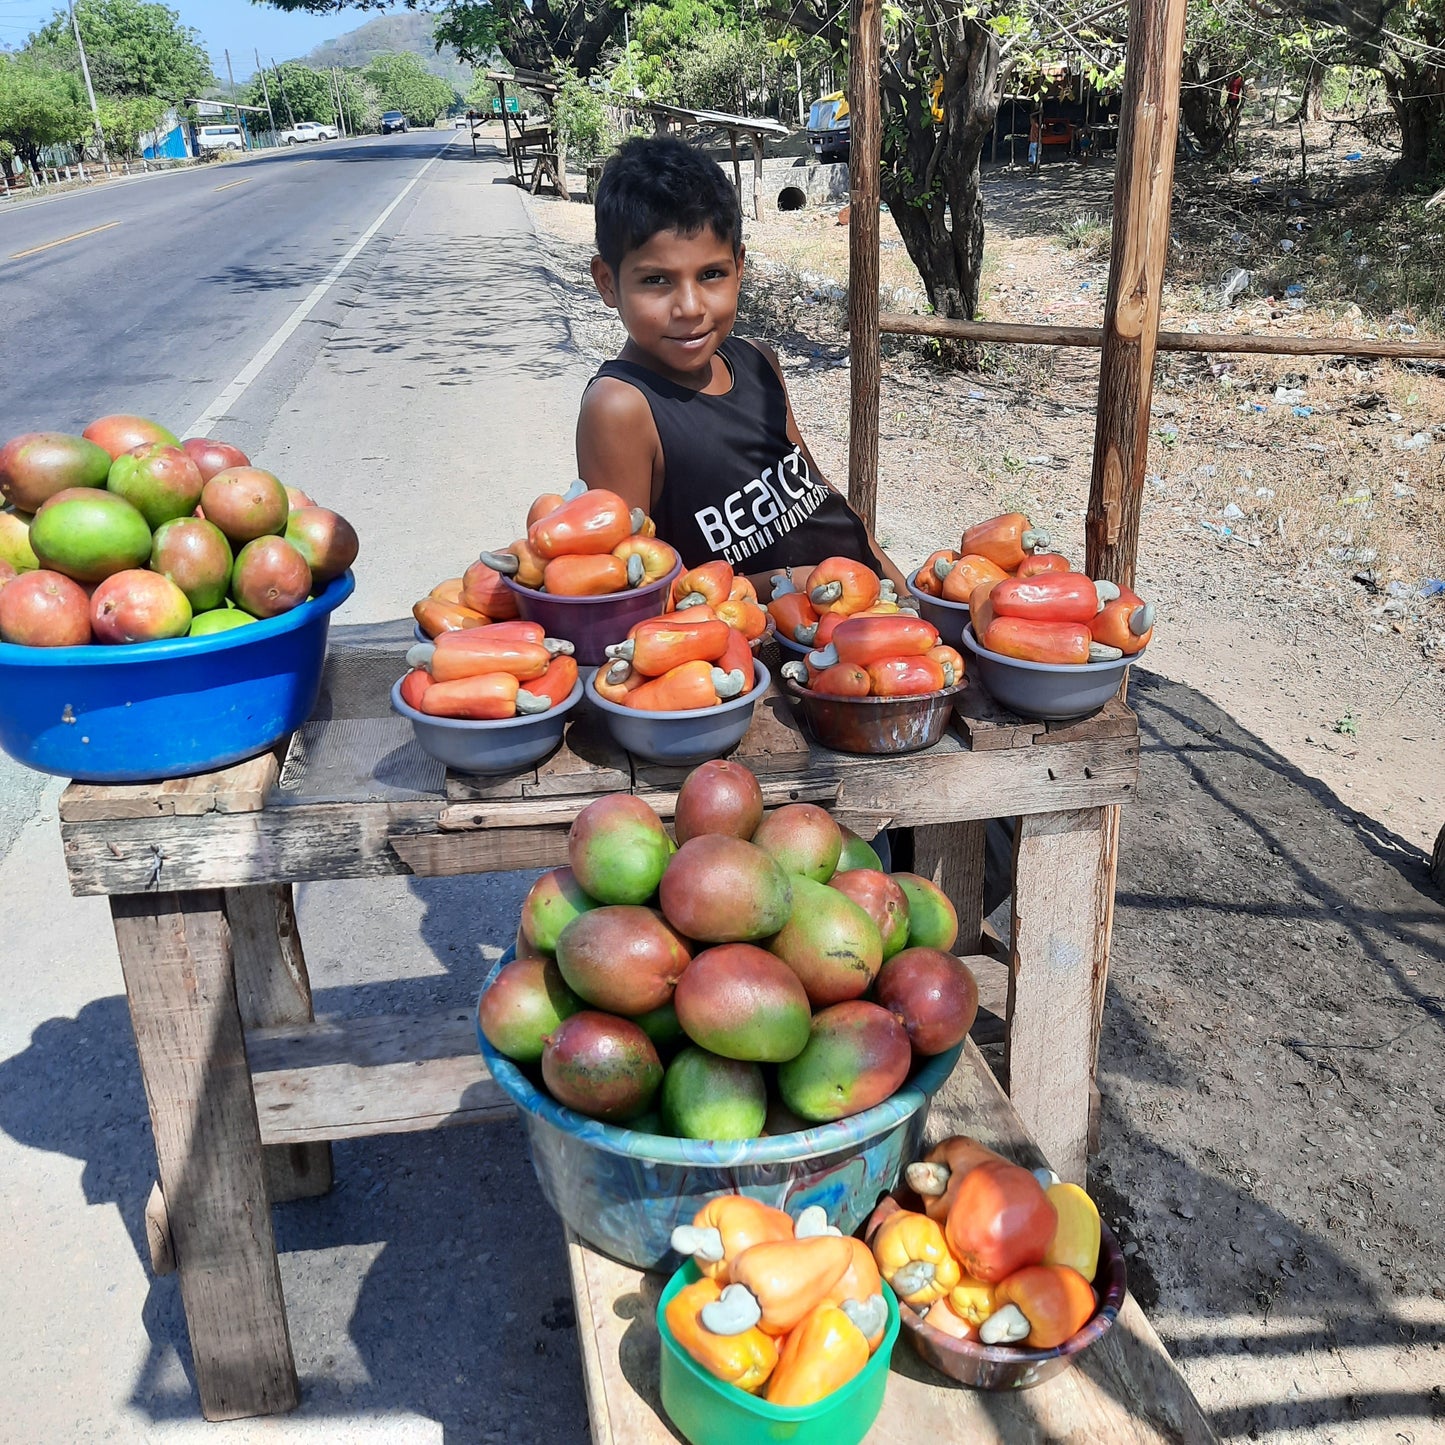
(155, 710)
(624, 1191)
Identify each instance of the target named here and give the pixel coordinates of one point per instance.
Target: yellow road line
(230, 185)
(35, 250)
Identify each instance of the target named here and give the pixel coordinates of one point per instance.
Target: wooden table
(245, 1090)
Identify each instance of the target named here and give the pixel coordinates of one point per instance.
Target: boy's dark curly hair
(660, 183)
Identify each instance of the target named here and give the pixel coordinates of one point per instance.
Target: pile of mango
(807, 608)
(788, 1311)
(488, 673)
(578, 543)
(695, 655)
(126, 534)
(998, 1253)
(655, 980)
(1026, 602)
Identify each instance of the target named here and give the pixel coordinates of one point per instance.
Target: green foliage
(124, 119)
(299, 93)
(403, 83)
(39, 106)
(133, 48)
(581, 119)
(718, 69)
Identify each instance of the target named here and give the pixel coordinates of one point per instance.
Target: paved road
(428, 393)
(182, 277)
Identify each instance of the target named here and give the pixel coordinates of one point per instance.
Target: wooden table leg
(952, 855)
(273, 988)
(175, 951)
(1058, 941)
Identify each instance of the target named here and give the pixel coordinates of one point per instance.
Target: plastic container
(708, 1411)
(1047, 690)
(625, 1191)
(1015, 1367)
(690, 736)
(950, 618)
(875, 725)
(148, 711)
(502, 746)
(590, 624)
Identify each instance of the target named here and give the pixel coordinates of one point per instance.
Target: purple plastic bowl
(591, 623)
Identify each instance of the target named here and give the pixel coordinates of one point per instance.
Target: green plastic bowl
(710, 1412)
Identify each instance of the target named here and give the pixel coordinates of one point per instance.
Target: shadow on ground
(1271, 1071)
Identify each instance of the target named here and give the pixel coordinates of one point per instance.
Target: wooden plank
(952, 856)
(352, 1078)
(865, 48)
(241, 788)
(987, 727)
(589, 763)
(274, 988)
(175, 953)
(946, 784)
(992, 977)
(898, 323)
(1123, 1391)
(1114, 720)
(1051, 1003)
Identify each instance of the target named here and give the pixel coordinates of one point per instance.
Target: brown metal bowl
(1011, 1367)
(874, 724)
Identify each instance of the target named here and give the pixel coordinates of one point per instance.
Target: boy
(691, 423)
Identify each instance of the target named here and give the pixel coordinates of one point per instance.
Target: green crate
(709, 1411)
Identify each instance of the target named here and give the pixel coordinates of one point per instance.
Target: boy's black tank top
(734, 486)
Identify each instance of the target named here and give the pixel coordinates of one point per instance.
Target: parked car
(220, 138)
(305, 130)
(829, 129)
(392, 120)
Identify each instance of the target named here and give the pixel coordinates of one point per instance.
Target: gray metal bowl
(502, 746)
(1052, 691)
(950, 618)
(875, 725)
(690, 736)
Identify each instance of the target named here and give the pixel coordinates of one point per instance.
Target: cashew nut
(734, 1312)
(1005, 1327)
(702, 1242)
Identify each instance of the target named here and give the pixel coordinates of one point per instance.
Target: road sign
(514, 106)
(209, 107)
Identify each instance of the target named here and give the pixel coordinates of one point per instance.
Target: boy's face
(678, 298)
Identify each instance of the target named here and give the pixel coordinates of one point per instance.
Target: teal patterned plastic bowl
(624, 1191)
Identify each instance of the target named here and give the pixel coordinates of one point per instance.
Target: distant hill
(392, 35)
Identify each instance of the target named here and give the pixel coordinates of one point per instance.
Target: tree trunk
(1312, 98)
(1200, 103)
(1417, 96)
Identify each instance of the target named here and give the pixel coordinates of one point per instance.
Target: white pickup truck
(305, 130)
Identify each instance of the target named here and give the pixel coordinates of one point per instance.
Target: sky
(237, 24)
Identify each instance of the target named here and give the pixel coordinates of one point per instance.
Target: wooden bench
(245, 1090)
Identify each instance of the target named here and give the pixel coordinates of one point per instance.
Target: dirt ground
(1273, 1049)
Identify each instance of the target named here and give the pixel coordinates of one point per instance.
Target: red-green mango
(743, 1003)
(882, 900)
(618, 849)
(932, 918)
(723, 890)
(601, 1066)
(858, 1055)
(526, 1002)
(803, 838)
(555, 900)
(622, 958)
(830, 943)
(36, 465)
(932, 994)
(718, 797)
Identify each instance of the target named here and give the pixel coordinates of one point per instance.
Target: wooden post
(757, 139)
(1143, 187)
(865, 40)
(1143, 182)
(175, 953)
(737, 169)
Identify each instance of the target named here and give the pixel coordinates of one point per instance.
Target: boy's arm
(885, 563)
(617, 442)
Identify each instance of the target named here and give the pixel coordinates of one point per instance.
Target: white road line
(258, 363)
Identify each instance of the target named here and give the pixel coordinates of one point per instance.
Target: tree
(124, 119)
(134, 49)
(39, 106)
(299, 93)
(403, 83)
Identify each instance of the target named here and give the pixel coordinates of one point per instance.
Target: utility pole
(290, 114)
(231, 77)
(340, 107)
(89, 89)
(266, 91)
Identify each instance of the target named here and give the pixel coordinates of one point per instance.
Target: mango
(527, 1000)
(830, 943)
(91, 536)
(122, 433)
(219, 619)
(555, 900)
(15, 545)
(803, 838)
(197, 557)
(932, 994)
(718, 889)
(705, 1097)
(857, 853)
(662, 1027)
(857, 1056)
(36, 465)
(718, 797)
(601, 1066)
(932, 918)
(622, 958)
(618, 848)
(160, 481)
(882, 900)
(743, 1003)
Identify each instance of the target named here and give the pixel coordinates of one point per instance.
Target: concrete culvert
(792, 198)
